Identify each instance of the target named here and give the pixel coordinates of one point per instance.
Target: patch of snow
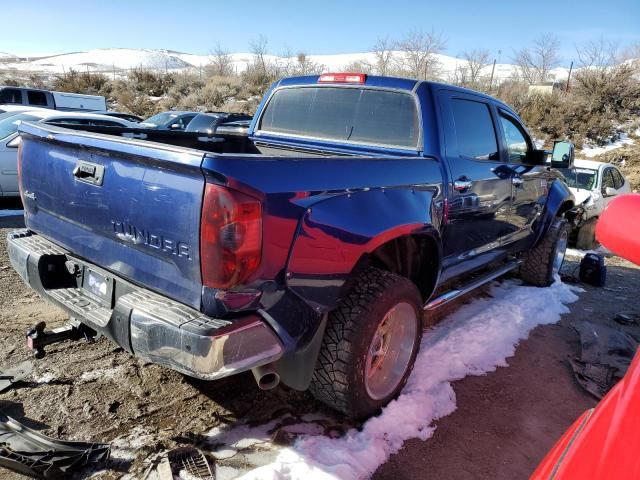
(592, 151)
(102, 374)
(474, 340)
(577, 253)
(125, 447)
(11, 213)
(46, 378)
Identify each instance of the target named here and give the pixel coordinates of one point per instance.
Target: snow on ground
(577, 253)
(11, 213)
(474, 340)
(592, 151)
(102, 374)
(110, 59)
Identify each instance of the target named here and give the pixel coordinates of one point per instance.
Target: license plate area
(99, 286)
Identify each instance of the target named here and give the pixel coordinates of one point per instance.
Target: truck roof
(397, 83)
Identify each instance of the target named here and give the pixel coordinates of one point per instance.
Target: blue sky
(321, 26)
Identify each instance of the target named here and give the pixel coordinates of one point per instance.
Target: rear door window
(607, 179)
(36, 98)
(359, 115)
(475, 134)
(618, 179)
(11, 96)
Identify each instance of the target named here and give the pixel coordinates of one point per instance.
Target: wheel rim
(561, 248)
(391, 351)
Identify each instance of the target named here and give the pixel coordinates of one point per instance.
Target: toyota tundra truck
(307, 251)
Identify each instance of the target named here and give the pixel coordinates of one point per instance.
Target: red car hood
(604, 443)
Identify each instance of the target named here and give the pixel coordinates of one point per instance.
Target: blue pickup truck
(307, 251)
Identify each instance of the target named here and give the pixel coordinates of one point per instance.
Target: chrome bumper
(146, 324)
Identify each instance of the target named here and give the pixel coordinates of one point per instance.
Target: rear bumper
(142, 322)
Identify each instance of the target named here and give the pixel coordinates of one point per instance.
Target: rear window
(344, 114)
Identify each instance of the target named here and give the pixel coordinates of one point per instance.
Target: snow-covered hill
(121, 59)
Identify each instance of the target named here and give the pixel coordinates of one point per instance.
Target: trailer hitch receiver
(38, 337)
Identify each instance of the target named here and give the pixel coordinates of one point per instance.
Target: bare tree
(305, 66)
(535, 63)
(221, 62)
(631, 55)
(597, 54)
(419, 51)
(383, 52)
(259, 50)
(360, 66)
(475, 61)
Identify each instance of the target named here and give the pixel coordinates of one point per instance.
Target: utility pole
(568, 78)
(493, 69)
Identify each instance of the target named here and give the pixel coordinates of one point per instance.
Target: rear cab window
(357, 115)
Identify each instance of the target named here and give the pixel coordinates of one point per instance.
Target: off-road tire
(587, 236)
(338, 379)
(537, 266)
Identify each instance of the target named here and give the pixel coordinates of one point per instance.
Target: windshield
(9, 125)
(360, 115)
(161, 118)
(584, 178)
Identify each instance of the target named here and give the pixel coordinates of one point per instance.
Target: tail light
(230, 237)
(20, 168)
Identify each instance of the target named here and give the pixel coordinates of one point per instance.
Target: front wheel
(587, 236)
(370, 344)
(543, 262)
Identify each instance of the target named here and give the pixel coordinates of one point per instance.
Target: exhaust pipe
(266, 377)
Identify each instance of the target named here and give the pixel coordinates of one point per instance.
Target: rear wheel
(370, 344)
(544, 261)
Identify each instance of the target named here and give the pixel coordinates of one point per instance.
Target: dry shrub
(124, 99)
(154, 84)
(82, 82)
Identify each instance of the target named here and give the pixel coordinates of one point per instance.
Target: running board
(478, 282)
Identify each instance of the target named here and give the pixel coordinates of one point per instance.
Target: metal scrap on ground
(606, 354)
(31, 453)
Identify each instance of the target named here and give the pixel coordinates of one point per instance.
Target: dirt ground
(504, 424)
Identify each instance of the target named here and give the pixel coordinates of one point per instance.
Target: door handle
(462, 184)
(517, 181)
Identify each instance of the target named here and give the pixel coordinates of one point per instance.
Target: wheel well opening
(415, 257)
(565, 207)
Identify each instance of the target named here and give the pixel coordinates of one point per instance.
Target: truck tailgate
(130, 207)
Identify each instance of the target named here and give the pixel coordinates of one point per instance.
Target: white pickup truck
(593, 184)
(47, 99)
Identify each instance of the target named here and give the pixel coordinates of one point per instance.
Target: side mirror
(537, 157)
(174, 126)
(610, 192)
(14, 142)
(563, 155)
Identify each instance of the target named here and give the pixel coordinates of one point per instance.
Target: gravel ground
(504, 423)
